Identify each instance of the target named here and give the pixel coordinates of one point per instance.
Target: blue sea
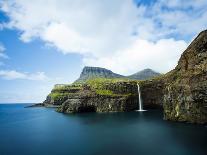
(42, 131)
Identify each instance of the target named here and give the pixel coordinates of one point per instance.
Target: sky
(42, 44)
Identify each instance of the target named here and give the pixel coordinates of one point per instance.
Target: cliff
(97, 95)
(185, 93)
(182, 92)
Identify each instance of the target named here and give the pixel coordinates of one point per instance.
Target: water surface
(42, 131)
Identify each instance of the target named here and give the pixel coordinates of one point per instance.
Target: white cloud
(160, 56)
(12, 75)
(2, 50)
(102, 31)
(74, 26)
(174, 17)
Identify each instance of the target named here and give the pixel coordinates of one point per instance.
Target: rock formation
(182, 92)
(185, 93)
(97, 95)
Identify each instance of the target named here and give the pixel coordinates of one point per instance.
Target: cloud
(12, 75)
(2, 54)
(120, 35)
(142, 54)
(74, 26)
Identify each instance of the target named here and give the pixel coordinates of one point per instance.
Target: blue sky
(41, 46)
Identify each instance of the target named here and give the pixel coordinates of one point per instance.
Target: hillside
(144, 74)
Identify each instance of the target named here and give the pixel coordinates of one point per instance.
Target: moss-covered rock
(99, 95)
(185, 93)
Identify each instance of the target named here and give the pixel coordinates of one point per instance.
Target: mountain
(98, 72)
(144, 74)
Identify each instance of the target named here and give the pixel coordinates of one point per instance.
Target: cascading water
(139, 99)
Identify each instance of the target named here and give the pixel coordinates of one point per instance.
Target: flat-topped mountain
(98, 72)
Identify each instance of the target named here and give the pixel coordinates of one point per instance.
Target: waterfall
(139, 99)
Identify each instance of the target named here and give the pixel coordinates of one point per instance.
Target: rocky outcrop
(97, 95)
(60, 94)
(99, 103)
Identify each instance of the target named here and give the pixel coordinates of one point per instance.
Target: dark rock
(35, 105)
(97, 95)
(152, 92)
(185, 93)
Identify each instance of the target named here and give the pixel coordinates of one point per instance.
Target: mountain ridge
(90, 72)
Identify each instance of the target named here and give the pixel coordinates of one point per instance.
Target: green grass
(58, 96)
(66, 88)
(103, 86)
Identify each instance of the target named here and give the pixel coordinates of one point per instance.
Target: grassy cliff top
(100, 86)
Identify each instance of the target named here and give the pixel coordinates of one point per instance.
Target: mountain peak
(90, 69)
(89, 72)
(144, 74)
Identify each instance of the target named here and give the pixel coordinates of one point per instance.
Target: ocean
(42, 131)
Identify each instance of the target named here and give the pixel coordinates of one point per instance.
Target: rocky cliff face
(152, 92)
(98, 95)
(185, 93)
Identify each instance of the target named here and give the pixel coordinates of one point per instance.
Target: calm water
(42, 131)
